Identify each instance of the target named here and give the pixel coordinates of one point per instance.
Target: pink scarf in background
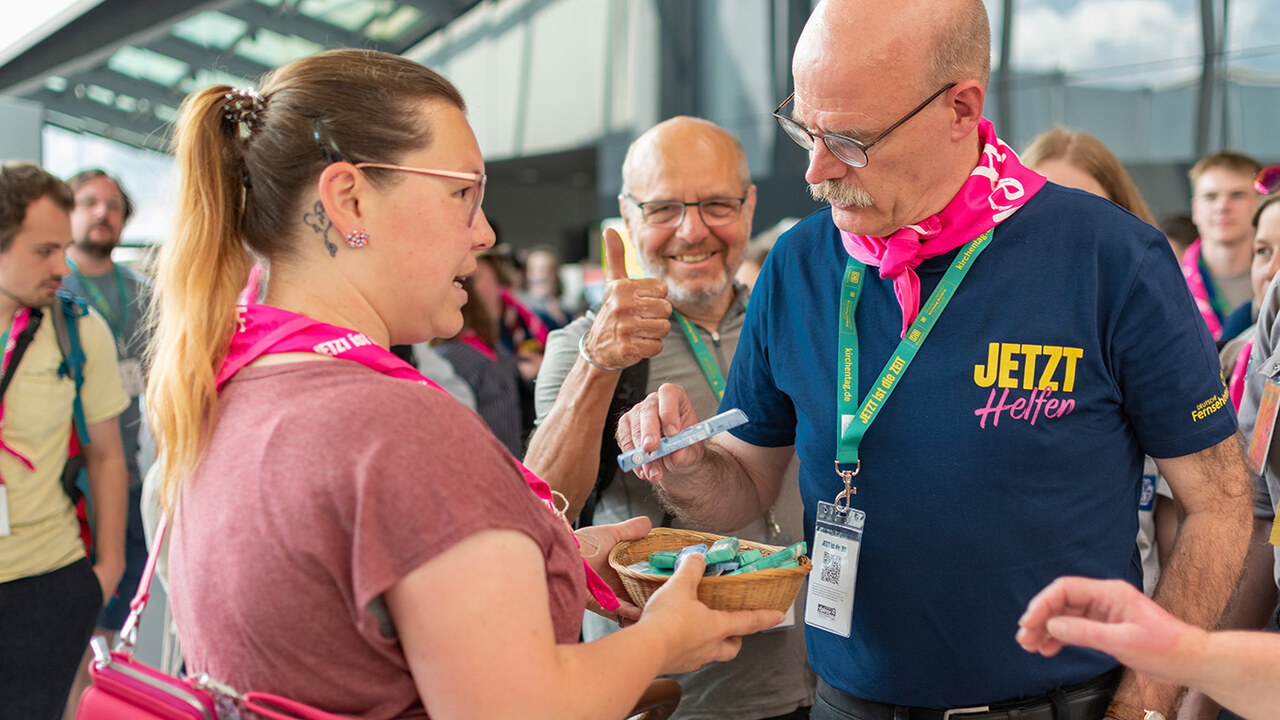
(20, 320)
(996, 188)
(264, 329)
(1199, 290)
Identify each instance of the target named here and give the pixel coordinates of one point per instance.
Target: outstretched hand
(633, 319)
(1111, 616)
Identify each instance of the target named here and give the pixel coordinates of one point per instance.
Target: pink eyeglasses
(329, 149)
(473, 177)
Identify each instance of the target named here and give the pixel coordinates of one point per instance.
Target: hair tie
(243, 106)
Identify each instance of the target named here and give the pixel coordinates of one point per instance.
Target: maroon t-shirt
(325, 483)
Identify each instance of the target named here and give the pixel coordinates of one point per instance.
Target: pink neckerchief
(263, 330)
(471, 339)
(537, 329)
(20, 321)
(1235, 387)
(996, 188)
(1199, 290)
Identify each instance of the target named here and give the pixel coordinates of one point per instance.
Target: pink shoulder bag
(125, 689)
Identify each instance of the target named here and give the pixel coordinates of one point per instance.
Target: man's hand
(1114, 617)
(633, 319)
(662, 414)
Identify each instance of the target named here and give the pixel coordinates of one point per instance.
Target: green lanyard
(104, 307)
(706, 360)
(1221, 306)
(853, 419)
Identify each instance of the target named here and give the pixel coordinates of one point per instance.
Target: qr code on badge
(830, 569)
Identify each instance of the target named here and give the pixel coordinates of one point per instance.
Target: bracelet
(582, 350)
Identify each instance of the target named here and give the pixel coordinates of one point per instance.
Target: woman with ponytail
(344, 533)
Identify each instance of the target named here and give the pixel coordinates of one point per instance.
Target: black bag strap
(629, 392)
(20, 348)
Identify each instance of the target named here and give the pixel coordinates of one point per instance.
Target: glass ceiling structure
(121, 68)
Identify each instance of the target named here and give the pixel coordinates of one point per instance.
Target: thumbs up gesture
(633, 319)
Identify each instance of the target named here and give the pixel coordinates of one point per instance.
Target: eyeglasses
(88, 201)
(714, 212)
(1267, 180)
(850, 151)
(329, 149)
(479, 179)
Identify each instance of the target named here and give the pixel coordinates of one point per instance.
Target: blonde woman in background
(1079, 160)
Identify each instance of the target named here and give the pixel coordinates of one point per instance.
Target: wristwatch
(1125, 711)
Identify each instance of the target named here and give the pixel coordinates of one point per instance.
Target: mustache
(836, 192)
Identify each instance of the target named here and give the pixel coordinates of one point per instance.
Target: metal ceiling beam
(201, 57)
(124, 85)
(435, 15)
(295, 23)
(91, 38)
(67, 111)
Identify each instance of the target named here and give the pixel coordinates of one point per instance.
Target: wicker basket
(772, 589)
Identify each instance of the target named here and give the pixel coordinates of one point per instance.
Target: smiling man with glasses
(687, 200)
(971, 363)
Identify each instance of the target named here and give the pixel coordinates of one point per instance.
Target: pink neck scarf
(20, 321)
(996, 188)
(473, 340)
(1199, 290)
(264, 330)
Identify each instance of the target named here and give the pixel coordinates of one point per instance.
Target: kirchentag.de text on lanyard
(838, 531)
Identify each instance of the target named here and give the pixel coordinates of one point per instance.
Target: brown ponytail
(199, 273)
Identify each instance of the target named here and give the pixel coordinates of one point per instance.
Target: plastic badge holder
(727, 420)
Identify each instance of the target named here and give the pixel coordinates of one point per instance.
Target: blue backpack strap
(67, 326)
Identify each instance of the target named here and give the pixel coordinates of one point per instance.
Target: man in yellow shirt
(50, 593)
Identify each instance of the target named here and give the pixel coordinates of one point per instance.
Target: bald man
(687, 199)
(971, 364)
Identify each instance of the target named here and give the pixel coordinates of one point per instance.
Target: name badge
(4, 510)
(131, 376)
(837, 540)
(1263, 427)
(1147, 500)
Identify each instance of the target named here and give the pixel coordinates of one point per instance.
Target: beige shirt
(45, 534)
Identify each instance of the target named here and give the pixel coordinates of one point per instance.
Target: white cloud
(1253, 34)
(1109, 42)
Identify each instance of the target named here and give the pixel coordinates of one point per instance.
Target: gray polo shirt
(771, 674)
(136, 291)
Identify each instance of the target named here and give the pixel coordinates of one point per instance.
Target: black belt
(1083, 701)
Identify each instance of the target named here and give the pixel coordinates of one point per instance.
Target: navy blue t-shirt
(1011, 451)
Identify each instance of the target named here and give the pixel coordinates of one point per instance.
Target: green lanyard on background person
(119, 327)
(853, 419)
(706, 360)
